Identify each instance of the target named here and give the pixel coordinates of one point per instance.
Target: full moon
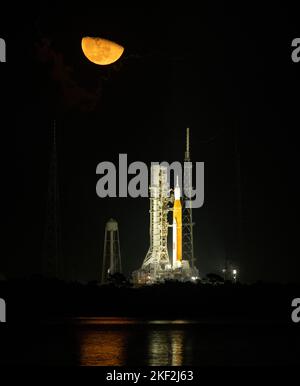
(101, 51)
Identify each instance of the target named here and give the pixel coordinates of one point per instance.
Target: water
(135, 342)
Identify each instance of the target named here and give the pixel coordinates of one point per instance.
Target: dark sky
(225, 73)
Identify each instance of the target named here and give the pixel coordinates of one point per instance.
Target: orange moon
(101, 51)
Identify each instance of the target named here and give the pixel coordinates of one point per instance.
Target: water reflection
(122, 341)
(137, 342)
(165, 348)
(102, 347)
(119, 341)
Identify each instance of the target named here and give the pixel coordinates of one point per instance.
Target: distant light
(234, 271)
(194, 277)
(223, 270)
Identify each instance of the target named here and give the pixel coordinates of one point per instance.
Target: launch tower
(156, 264)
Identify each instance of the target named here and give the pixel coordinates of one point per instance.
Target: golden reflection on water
(94, 321)
(102, 348)
(114, 342)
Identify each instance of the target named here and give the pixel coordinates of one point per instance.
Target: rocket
(177, 228)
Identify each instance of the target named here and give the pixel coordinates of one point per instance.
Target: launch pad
(157, 265)
(152, 276)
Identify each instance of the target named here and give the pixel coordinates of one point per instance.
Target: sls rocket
(177, 228)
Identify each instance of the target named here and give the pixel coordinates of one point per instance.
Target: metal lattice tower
(111, 252)
(52, 252)
(157, 258)
(187, 219)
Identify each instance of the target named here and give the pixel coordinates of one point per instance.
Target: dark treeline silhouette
(38, 299)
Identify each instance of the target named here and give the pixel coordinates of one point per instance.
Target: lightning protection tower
(52, 264)
(187, 218)
(111, 252)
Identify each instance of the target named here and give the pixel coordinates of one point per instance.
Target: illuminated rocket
(177, 228)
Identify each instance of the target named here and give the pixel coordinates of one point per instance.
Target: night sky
(225, 73)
